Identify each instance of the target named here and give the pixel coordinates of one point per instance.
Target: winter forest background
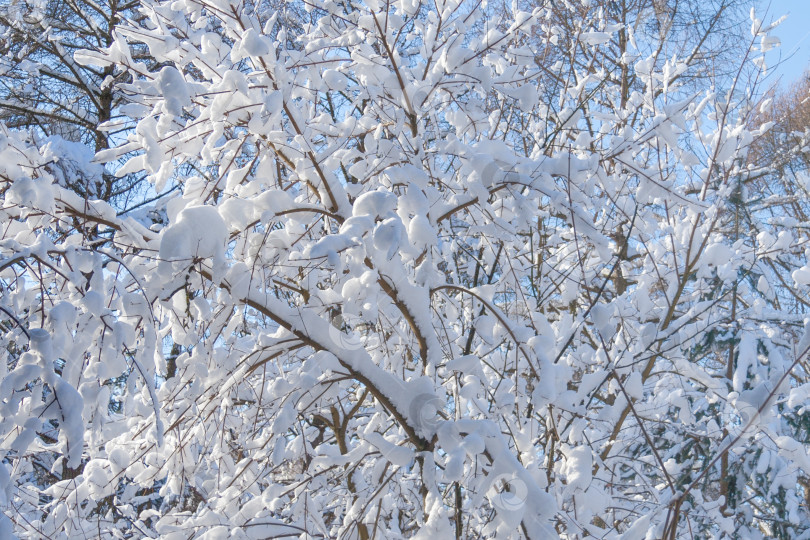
(407, 268)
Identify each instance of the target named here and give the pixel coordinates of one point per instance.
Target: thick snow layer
(173, 87)
(198, 232)
(377, 204)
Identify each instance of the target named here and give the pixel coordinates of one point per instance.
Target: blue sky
(795, 36)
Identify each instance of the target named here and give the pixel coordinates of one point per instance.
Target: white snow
(173, 87)
(198, 232)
